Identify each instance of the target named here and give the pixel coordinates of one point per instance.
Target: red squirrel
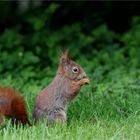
(52, 102)
(12, 105)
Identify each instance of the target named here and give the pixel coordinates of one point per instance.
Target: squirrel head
(71, 69)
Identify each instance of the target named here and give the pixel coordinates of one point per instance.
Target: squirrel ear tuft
(65, 57)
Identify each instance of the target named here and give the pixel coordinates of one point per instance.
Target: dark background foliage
(32, 37)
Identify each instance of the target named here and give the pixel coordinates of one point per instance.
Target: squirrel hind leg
(38, 114)
(58, 115)
(51, 119)
(61, 116)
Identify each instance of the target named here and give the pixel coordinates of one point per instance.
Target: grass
(102, 129)
(107, 109)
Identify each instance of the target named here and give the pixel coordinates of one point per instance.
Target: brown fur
(12, 105)
(52, 102)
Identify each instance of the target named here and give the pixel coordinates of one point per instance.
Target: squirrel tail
(19, 111)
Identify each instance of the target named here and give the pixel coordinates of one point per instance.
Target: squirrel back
(52, 102)
(13, 106)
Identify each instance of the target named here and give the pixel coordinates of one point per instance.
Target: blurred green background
(32, 34)
(102, 36)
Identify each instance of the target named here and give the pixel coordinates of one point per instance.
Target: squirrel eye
(75, 69)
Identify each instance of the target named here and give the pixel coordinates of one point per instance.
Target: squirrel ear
(65, 57)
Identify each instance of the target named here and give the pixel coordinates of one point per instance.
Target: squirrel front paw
(83, 81)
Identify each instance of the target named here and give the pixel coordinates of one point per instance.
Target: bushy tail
(19, 111)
